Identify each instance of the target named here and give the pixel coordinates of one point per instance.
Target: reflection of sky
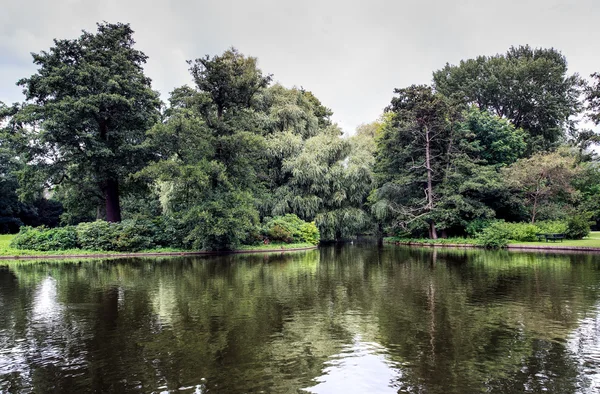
(584, 343)
(47, 339)
(44, 314)
(360, 367)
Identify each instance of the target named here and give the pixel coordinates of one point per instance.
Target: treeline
(226, 157)
(492, 138)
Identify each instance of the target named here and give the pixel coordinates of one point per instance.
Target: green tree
(89, 106)
(412, 156)
(543, 179)
(529, 87)
(593, 99)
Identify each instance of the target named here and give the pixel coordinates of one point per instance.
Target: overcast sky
(351, 54)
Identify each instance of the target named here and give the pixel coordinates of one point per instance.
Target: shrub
(578, 226)
(45, 239)
(495, 236)
(290, 228)
(476, 226)
(552, 226)
(309, 233)
(171, 231)
(521, 232)
(98, 235)
(134, 235)
(279, 233)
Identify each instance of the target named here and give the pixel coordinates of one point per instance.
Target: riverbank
(589, 243)
(8, 253)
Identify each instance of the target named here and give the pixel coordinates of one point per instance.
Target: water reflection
(361, 367)
(350, 319)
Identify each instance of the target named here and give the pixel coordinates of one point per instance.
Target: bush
(495, 236)
(171, 231)
(521, 232)
(279, 233)
(476, 226)
(290, 228)
(45, 239)
(578, 226)
(134, 235)
(309, 233)
(552, 226)
(98, 235)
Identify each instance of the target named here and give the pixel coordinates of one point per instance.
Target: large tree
(89, 106)
(530, 87)
(412, 156)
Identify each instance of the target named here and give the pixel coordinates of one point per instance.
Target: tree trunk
(110, 188)
(429, 181)
(534, 210)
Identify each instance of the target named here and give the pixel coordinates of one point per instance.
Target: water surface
(351, 319)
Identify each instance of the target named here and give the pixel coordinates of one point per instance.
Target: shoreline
(508, 247)
(154, 254)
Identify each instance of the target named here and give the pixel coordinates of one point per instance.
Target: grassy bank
(6, 250)
(592, 241)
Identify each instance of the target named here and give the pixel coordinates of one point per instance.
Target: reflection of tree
(450, 321)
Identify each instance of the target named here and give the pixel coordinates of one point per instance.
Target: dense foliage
(232, 159)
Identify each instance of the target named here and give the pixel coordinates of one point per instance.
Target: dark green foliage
(593, 99)
(45, 239)
(91, 104)
(578, 226)
(126, 236)
(98, 235)
(221, 224)
(493, 139)
(494, 236)
(529, 87)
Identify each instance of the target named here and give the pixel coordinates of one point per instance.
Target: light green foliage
(552, 226)
(290, 228)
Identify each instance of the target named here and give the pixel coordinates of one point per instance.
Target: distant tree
(542, 179)
(89, 106)
(230, 79)
(529, 87)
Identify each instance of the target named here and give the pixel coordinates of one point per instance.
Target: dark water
(352, 319)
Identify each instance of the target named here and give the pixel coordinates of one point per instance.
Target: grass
(6, 250)
(592, 241)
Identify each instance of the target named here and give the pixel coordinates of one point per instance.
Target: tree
(529, 87)
(231, 79)
(412, 156)
(542, 179)
(88, 107)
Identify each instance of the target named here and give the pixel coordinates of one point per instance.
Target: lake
(346, 319)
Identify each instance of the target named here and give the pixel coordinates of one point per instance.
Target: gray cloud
(351, 54)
